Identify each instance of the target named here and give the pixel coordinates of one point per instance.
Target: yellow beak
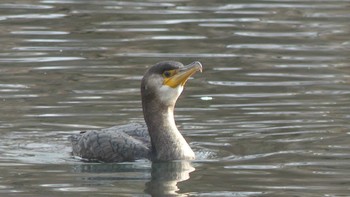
(183, 74)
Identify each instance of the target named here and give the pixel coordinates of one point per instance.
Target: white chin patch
(169, 94)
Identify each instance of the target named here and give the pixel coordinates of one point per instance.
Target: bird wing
(120, 143)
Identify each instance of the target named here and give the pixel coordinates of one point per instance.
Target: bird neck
(167, 142)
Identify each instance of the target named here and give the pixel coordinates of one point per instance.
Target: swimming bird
(158, 139)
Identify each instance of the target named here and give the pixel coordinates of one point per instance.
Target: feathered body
(158, 139)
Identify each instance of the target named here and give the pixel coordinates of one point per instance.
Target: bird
(155, 139)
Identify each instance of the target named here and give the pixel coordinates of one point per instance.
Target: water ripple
(47, 32)
(179, 21)
(289, 47)
(130, 30)
(24, 6)
(32, 16)
(249, 95)
(40, 59)
(276, 34)
(57, 48)
(122, 10)
(171, 55)
(276, 83)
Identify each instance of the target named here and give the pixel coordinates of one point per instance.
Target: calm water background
(269, 116)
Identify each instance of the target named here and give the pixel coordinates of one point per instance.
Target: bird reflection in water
(166, 175)
(160, 178)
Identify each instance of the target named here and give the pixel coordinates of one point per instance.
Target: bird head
(164, 82)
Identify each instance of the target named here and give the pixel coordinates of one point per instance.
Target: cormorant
(158, 139)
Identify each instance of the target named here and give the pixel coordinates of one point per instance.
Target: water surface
(269, 116)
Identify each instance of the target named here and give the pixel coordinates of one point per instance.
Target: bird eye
(167, 73)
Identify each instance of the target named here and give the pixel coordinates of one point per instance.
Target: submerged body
(158, 139)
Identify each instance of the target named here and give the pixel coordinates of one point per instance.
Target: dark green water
(269, 116)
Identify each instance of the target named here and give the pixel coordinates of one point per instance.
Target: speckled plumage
(119, 143)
